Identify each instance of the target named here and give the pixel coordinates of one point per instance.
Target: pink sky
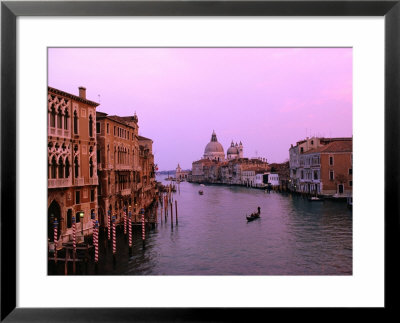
(268, 98)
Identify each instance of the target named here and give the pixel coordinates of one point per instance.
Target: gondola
(254, 216)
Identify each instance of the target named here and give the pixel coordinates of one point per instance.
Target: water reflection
(292, 237)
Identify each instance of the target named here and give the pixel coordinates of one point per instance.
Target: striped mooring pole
(73, 242)
(96, 242)
(130, 230)
(55, 239)
(109, 224)
(74, 234)
(125, 220)
(114, 236)
(93, 218)
(143, 227)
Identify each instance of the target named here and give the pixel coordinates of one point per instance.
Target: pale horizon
(267, 98)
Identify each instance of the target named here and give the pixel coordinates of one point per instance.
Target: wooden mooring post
(172, 217)
(176, 212)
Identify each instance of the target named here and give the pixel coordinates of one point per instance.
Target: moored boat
(315, 199)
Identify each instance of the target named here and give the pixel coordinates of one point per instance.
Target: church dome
(232, 149)
(214, 149)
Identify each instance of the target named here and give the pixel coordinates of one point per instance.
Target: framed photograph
(240, 117)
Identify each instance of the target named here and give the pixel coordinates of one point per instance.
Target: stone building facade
(72, 163)
(322, 166)
(235, 170)
(125, 167)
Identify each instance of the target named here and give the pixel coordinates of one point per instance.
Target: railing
(59, 182)
(123, 167)
(79, 181)
(58, 132)
(147, 187)
(126, 191)
(94, 181)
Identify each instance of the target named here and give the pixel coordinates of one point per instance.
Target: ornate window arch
(76, 122)
(52, 116)
(90, 125)
(76, 166)
(60, 167)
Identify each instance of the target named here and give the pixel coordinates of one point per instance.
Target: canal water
(292, 237)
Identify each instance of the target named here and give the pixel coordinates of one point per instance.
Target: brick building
(72, 164)
(327, 170)
(305, 163)
(125, 166)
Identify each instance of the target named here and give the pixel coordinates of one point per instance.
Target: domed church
(214, 150)
(235, 151)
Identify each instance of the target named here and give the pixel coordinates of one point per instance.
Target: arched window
(53, 167)
(67, 168)
(90, 167)
(59, 119)
(60, 168)
(90, 126)
(66, 116)
(76, 164)
(75, 122)
(52, 116)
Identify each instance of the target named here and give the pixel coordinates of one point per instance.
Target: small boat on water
(254, 216)
(201, 192)
(315, 199)
(201, 184)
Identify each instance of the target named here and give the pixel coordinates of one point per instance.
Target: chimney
(82, 92)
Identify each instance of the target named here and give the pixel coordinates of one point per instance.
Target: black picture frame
(10, 10)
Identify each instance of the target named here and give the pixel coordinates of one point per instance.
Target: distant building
(234, 170)
(323, 168)
(283, 172)
(273, 180)
(72, 163)
(214, 150)
(181, 175)
(235, 151)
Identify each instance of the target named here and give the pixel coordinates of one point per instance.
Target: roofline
(106, 116)
(72, 96)
(144, 138)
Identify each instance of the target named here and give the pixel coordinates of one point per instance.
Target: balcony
(125, 192)
(123, 167)
(79, 181)
(94, 181)
(148, 187)
(58, 132)
(59, 182)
